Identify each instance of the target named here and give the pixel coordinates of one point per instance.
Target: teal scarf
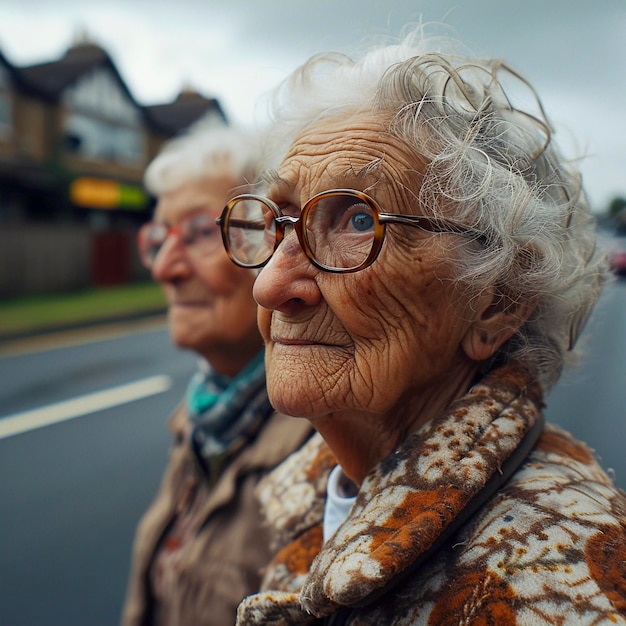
(225, 413)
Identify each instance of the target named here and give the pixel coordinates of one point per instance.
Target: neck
(361, 439)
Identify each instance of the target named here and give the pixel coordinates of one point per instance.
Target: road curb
(84, 324)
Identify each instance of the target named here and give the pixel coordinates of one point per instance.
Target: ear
(496, 321)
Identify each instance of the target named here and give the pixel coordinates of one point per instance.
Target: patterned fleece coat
(422, 545)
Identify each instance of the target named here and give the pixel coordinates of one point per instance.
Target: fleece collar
(417, 496)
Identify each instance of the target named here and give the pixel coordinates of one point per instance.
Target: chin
(186, 340)
(284, 400)
(189, 333)
(289, 410)
(182, 341)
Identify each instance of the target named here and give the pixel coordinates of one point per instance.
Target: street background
(72, 491)
(572, 51)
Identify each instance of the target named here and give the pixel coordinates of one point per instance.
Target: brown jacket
(547, 548)
(226, 545)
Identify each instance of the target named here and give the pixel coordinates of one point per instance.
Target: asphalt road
(590, 401)
(71, 493)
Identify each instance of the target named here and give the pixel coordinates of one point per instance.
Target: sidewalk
(37, 316)
(7, 337)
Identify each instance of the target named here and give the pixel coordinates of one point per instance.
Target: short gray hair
(208, 149)
(491, 164)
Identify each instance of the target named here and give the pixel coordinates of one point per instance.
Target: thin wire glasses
(197, 232)
(340, 230)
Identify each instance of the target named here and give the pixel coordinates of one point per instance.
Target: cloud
(573, 51)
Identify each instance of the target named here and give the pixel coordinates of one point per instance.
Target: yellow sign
(103, 193)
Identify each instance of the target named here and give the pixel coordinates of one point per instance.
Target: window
(98, 139)
(102, 122)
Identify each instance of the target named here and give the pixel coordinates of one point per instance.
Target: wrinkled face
(211, 308)
(369, 341)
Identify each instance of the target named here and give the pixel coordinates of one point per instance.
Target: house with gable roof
(74, 143)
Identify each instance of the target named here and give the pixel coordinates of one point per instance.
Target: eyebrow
(369, 169)
(345, 178)
(365, 178)
(272, 177)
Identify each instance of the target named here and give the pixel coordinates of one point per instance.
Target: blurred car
(617, 260)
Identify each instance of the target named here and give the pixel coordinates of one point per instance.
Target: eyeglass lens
(198, 233)
(251, 231)
(339, 231)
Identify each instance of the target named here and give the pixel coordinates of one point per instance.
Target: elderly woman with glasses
(427, 263)
(200, 547)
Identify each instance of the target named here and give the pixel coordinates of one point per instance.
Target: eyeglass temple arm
(241, 223)
(432, 225)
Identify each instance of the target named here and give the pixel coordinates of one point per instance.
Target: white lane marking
(82, 405)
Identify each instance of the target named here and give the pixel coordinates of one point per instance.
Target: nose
(288, 279)
(171, 261)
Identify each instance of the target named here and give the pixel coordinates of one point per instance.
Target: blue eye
(362, 221)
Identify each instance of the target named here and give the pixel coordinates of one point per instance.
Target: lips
(289, 334)
(305, 342)
(305, 331)
(190, 304)
(334, 340)
(295, 342)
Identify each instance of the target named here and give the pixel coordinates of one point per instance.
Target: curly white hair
(492, 164)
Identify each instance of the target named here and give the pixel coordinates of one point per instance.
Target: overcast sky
(573, 51)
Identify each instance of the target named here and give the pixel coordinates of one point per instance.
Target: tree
(617, 205)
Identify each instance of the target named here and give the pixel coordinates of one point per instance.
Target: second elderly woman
(427, 264)
(201, 545)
